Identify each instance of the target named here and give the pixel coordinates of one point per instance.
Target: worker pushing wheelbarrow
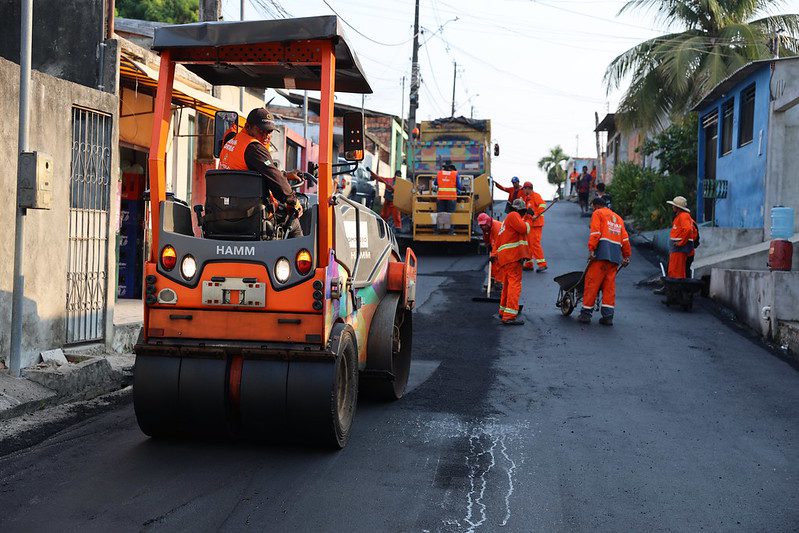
(609, 251)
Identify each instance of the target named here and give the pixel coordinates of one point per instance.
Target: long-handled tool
(487, 297)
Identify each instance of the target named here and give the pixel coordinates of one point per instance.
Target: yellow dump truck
(466, 144)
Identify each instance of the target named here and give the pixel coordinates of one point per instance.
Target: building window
(746, 126)
(727, 112)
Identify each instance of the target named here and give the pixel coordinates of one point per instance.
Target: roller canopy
(211, 37)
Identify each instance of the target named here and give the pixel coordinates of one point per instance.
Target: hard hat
(599, 200)
(518, 204)
(527, 185)
(514, 179)
(483, 219)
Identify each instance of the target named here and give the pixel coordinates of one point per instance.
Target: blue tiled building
(748, 131)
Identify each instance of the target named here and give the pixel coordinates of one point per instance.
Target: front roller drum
(312, 401)
(155, 394)
(322, 396)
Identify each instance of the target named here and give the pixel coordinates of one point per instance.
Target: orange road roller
(249, 331)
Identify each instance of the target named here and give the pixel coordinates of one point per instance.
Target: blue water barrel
(781, 222)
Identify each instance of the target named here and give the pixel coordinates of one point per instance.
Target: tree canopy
(552, 164)
(710, 40)
(172, 11)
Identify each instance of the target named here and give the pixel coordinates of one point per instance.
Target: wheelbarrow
(571, 289)
(681, 291)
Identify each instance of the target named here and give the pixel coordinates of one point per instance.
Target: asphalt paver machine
(252, 333)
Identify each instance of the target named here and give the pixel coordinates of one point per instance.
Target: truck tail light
(304, 262)
(169, 258)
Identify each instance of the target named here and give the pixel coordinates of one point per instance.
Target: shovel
(487, 297)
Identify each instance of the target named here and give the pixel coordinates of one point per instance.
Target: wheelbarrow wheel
(566, 305)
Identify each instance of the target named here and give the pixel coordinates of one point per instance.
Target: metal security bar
(715, 188)
(89, 197)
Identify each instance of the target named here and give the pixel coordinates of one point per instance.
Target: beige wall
(46, 232)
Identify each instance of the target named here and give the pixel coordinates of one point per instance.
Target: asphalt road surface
(668, 421)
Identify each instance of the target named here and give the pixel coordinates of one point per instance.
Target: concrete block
(85, 379)
(788, 337)
(55, 356)
(124, 337)
(747, 292)
(19, 396)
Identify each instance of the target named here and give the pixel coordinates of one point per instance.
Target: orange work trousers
(600, 276)
(511, 277)
(390, 212)
(536, 250)
(677, 263)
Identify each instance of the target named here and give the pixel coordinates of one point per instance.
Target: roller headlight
(188, 267)
(282, 270)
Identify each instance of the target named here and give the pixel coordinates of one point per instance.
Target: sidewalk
(80, 376)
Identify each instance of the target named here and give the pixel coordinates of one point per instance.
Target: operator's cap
(483, 219)
(261, 119)
(527, 185)
(518, 204)
(600, 201)
(514, 179)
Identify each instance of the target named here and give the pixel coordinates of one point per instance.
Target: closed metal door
(89, 198)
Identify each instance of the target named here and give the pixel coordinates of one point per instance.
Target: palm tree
(713, 38)
(552, 164)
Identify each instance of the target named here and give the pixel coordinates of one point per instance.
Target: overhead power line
(359, 32)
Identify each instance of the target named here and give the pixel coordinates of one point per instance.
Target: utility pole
(600, 170)
(454, 79)
(402, 113)
(413, 104)
(210, 10)
(17, 298)
(414, 97)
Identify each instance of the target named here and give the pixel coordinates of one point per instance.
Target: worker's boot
(606, 320)
(513, 322)
(584, 318)
(660, 291)
(542, 269)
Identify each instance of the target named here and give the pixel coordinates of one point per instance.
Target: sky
(535, 68)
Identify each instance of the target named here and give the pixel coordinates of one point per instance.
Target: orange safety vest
(537, 204)
(232, 155)
(447, 185)
(681, 236)
(511, 244)
(608, 239)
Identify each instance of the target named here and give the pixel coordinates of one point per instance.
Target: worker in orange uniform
(490, 229)
(511, 250)
(536, 205)
(248, 150)
(448, 185)
(389, 211)
(514, 191)
(609, 247)
(681, 239)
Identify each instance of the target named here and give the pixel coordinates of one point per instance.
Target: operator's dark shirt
(259, 160)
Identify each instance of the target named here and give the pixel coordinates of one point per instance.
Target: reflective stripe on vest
(510, 245)
(447, 185)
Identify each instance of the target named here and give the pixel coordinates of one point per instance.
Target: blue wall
(745, 167)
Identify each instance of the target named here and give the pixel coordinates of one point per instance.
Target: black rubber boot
(606, 320)
(584, 318)
(513, 322)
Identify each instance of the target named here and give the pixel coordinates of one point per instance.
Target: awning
(182, 94)
(211, 39)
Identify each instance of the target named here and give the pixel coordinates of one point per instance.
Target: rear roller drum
(389, 350)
